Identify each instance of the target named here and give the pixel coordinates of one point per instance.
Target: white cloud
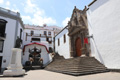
(65, 22)
(8, 3)
(15, 10)
(30, 7)
(7, 8)
(1, 1)
(38, 17)
(26, 18)
(42, 20)
(38, 20)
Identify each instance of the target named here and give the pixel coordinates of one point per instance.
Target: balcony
(39, 35)
(49, 42)
(2, 36)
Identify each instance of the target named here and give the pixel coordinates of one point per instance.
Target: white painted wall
(9, 40)
(37, 32)
(63, 48)
(104, 24)
(44, 54)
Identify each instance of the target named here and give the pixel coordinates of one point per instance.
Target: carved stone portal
(78, 31)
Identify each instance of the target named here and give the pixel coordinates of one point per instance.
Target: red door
(78, 47)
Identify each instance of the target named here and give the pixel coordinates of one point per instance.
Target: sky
(39, 12)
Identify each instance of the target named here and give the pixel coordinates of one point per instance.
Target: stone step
(76, 66)
(76, 69)
(70, 66)
(78, 73)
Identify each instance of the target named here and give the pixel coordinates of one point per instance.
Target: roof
(36, 44)
(61, 30)
(92, 2)
(37, 27)
(11, 14)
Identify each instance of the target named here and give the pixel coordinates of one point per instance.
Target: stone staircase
(76, 66)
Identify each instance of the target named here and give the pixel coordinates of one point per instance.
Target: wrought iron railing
(39, 35)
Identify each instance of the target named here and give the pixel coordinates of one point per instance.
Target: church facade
(93, 32)
(72, 41)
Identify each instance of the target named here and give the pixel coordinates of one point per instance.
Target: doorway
(0, 63)
(78, 47)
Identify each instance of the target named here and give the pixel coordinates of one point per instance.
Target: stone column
(71, 47)
(83, 45)
(15, 66)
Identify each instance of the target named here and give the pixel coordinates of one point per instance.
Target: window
(58, 42)
(26, 37)
(47, 39)
(2, 27)
(49, 33)
(64, 37)
(1, 45)
(50, 49)
(45, 32)
(35, 39)
(20, 33)
(32, 33)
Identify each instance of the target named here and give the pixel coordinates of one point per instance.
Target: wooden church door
(78, 47)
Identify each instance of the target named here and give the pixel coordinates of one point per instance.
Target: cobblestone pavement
(47, 75)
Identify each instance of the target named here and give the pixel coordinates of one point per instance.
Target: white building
(11, 28)
(104, 25)
(43, 35)
(62, 43)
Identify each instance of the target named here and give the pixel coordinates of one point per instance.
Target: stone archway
(78, 47)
